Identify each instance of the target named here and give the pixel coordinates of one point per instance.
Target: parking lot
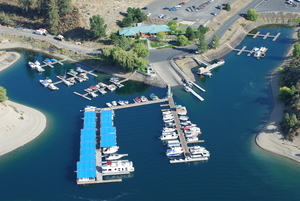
(199, 12)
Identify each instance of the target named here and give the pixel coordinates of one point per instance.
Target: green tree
(286, 92)
(123, 42)
(3, 96)
(173, 25)
(182, 40)
(141, 50)
(98, 28)
(41, 6)
(252, 15)
(202, 46)
(65, 7)
(197, 34)
(298, 34)
(160, 36)
(127, 21)
(53, 14)
(215, 42)
(25, 4)
(228, 7)
(203, 30)
(296, 50)
(189, 33)
(134, 15)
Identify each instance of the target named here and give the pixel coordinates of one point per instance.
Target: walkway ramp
(201, 61)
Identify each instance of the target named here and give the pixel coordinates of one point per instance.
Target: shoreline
(270, 138)
(19, 124)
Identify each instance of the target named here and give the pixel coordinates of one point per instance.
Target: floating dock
(135, 104)
(50, 64)
(265, 35)
(196, 85)
(197, 95)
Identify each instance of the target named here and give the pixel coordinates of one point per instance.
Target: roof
(107, 130)
(152, 29)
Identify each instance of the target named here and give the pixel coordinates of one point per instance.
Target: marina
(92, 167)
(258, 52)
(265, 35)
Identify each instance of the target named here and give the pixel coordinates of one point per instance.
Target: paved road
(49, 38)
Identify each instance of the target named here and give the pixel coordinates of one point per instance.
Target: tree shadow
(78, 33)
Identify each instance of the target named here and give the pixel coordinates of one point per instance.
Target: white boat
(144, 99)
(114, 103)
(31, 64)
(93, 94)
(109, 104)
(167, 129)
(102, 91)
(199, 150)
(53, 87)
(114, 156)
(111, 87)
(39, 69)
(110, 150)
(260, 52)
(79, 70)
(192, 139)
(184, 118)
(186, 88)
(172, 136)
(79, 79)
(83, 76)
(191, 134)
(168, 120)
(117, 167)
(120, 102)
(119, 85)
(203, 71)
(37, 63)
(173, 143)
(126, 102)
(46, 82)
(167, 113)
(68, 83)
(170, 125)
(181, 110)
(176, 151)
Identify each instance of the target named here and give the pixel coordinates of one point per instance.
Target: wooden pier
(197, 95)
(135, 104)
(244, 50)
(265, 36)
(82, 95)
(182, 139)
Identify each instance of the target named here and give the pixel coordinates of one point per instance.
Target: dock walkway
(265, 35)
(135, 104)
(197, 95)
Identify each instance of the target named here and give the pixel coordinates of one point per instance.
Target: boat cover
(107, 113)
(91, 131)
(106, 124)
(88, 138)
(86, 169)
(90, 126)
(84, 145)
(106, 118)
(107, 130)
(89, 151)
(108, 143)
(91, 114)
(85, 158)
(108, 137)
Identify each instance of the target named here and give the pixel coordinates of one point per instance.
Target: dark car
(144, 8)
(166, 8)
(175, 18)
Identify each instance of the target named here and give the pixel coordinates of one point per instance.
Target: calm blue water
(237, 103)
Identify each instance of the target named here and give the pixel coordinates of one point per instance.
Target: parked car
(59, 37)
(182, 3)
(144, 8)
(213, 13)
(166, 8)
(175, 18)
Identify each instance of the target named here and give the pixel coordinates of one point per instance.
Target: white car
(148, 14)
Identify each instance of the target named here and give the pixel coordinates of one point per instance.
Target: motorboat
(117, 167)
(192, 139)
(120, 102)
(119, 85)
(31, 64)
(184, 118)
(167, 129)
(37, 63)
(79, 79)
(39, 69)
(199, 150)
(111, 87)
(173, 143)
(144, 99)
(153, 96)
(175, 151)
(68, 83)
(181, 110)
(126, 102)
(73, 72)
(137, 99)
(114, 79)
(109, 104)
(260, 52)
(114, 103)
(53, 60)
(79, 70)
(170, 125)
(101, 84)
(46, 82)
(93, 94)
(53, 87)
(168, 120)
(203, 71)
(47, 60)
(167, 112)
(194, 134)
(186, 88)
(114, 156)
(172, 136)
(188, 129)
(102, 91)
(83, 76)
(110, 150)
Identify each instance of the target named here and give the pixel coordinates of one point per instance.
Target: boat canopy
(108, 130)
(108, 143)
(90, 114)
(107, 113)
(86, 170)
(106, 124)
(105, 118)
(85, 158)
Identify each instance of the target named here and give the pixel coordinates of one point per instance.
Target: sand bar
(19, 124)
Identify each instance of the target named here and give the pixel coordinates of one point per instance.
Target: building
(144, 31)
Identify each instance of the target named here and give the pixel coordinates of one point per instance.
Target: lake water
(237, 104)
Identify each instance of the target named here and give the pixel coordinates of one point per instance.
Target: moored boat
(175, 151)
(111, 87)
(153, 96)
(46, 82)
(31, 64)
(117, 167)
(120, 102)
(110, 150)
(184, 118)
(53, 87)
(137, 99)
(114, 156)
(93, 94)
(102, 91)
(144, 99)
(114, 103)
(172, 136)
(109, 104)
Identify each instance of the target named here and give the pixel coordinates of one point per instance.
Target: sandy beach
(19, 124)
(270, 137)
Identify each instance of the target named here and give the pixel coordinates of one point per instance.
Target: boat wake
(117, 197)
